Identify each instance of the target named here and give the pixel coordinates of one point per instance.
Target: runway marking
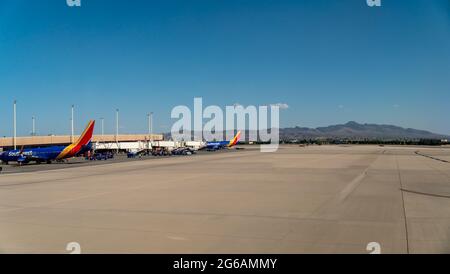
(350, 187)
(343, 195)
(436, 168)
(403, 204)
(427, 163)
(175, 238)
(338, 199)
(431, 157)
(425, 194)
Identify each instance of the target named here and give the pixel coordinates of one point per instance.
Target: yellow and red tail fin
(72, 149)
(235, 140)
(86, 137)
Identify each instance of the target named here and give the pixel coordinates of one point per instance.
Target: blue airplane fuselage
(44, 154)
(48, 154)
(217, 145)
(223, 144)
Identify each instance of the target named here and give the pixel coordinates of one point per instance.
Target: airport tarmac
(327, 199)
(80, 162)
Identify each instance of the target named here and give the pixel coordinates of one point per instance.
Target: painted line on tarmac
(431, 157)
(425, 193)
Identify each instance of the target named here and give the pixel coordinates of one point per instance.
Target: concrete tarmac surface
(318, 199)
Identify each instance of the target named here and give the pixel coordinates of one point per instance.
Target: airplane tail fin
(86, 137)
(235, 140)
(80, 144)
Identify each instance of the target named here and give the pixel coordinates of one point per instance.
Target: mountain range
(354, 130)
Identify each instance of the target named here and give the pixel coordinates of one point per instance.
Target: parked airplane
(49, 154)
(223, 144)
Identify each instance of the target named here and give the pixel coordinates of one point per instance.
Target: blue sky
(330, 61)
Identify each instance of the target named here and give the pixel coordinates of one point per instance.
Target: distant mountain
(352, 131)
(355, 131)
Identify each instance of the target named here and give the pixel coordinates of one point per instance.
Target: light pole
(117, 129)
(151, 125)
(71, 120)
(149, 116)
(103, 126)
(14, 127)
(117, 124)
(33, 129)
(150, 122)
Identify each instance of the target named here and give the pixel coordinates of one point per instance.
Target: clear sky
(330, 61)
